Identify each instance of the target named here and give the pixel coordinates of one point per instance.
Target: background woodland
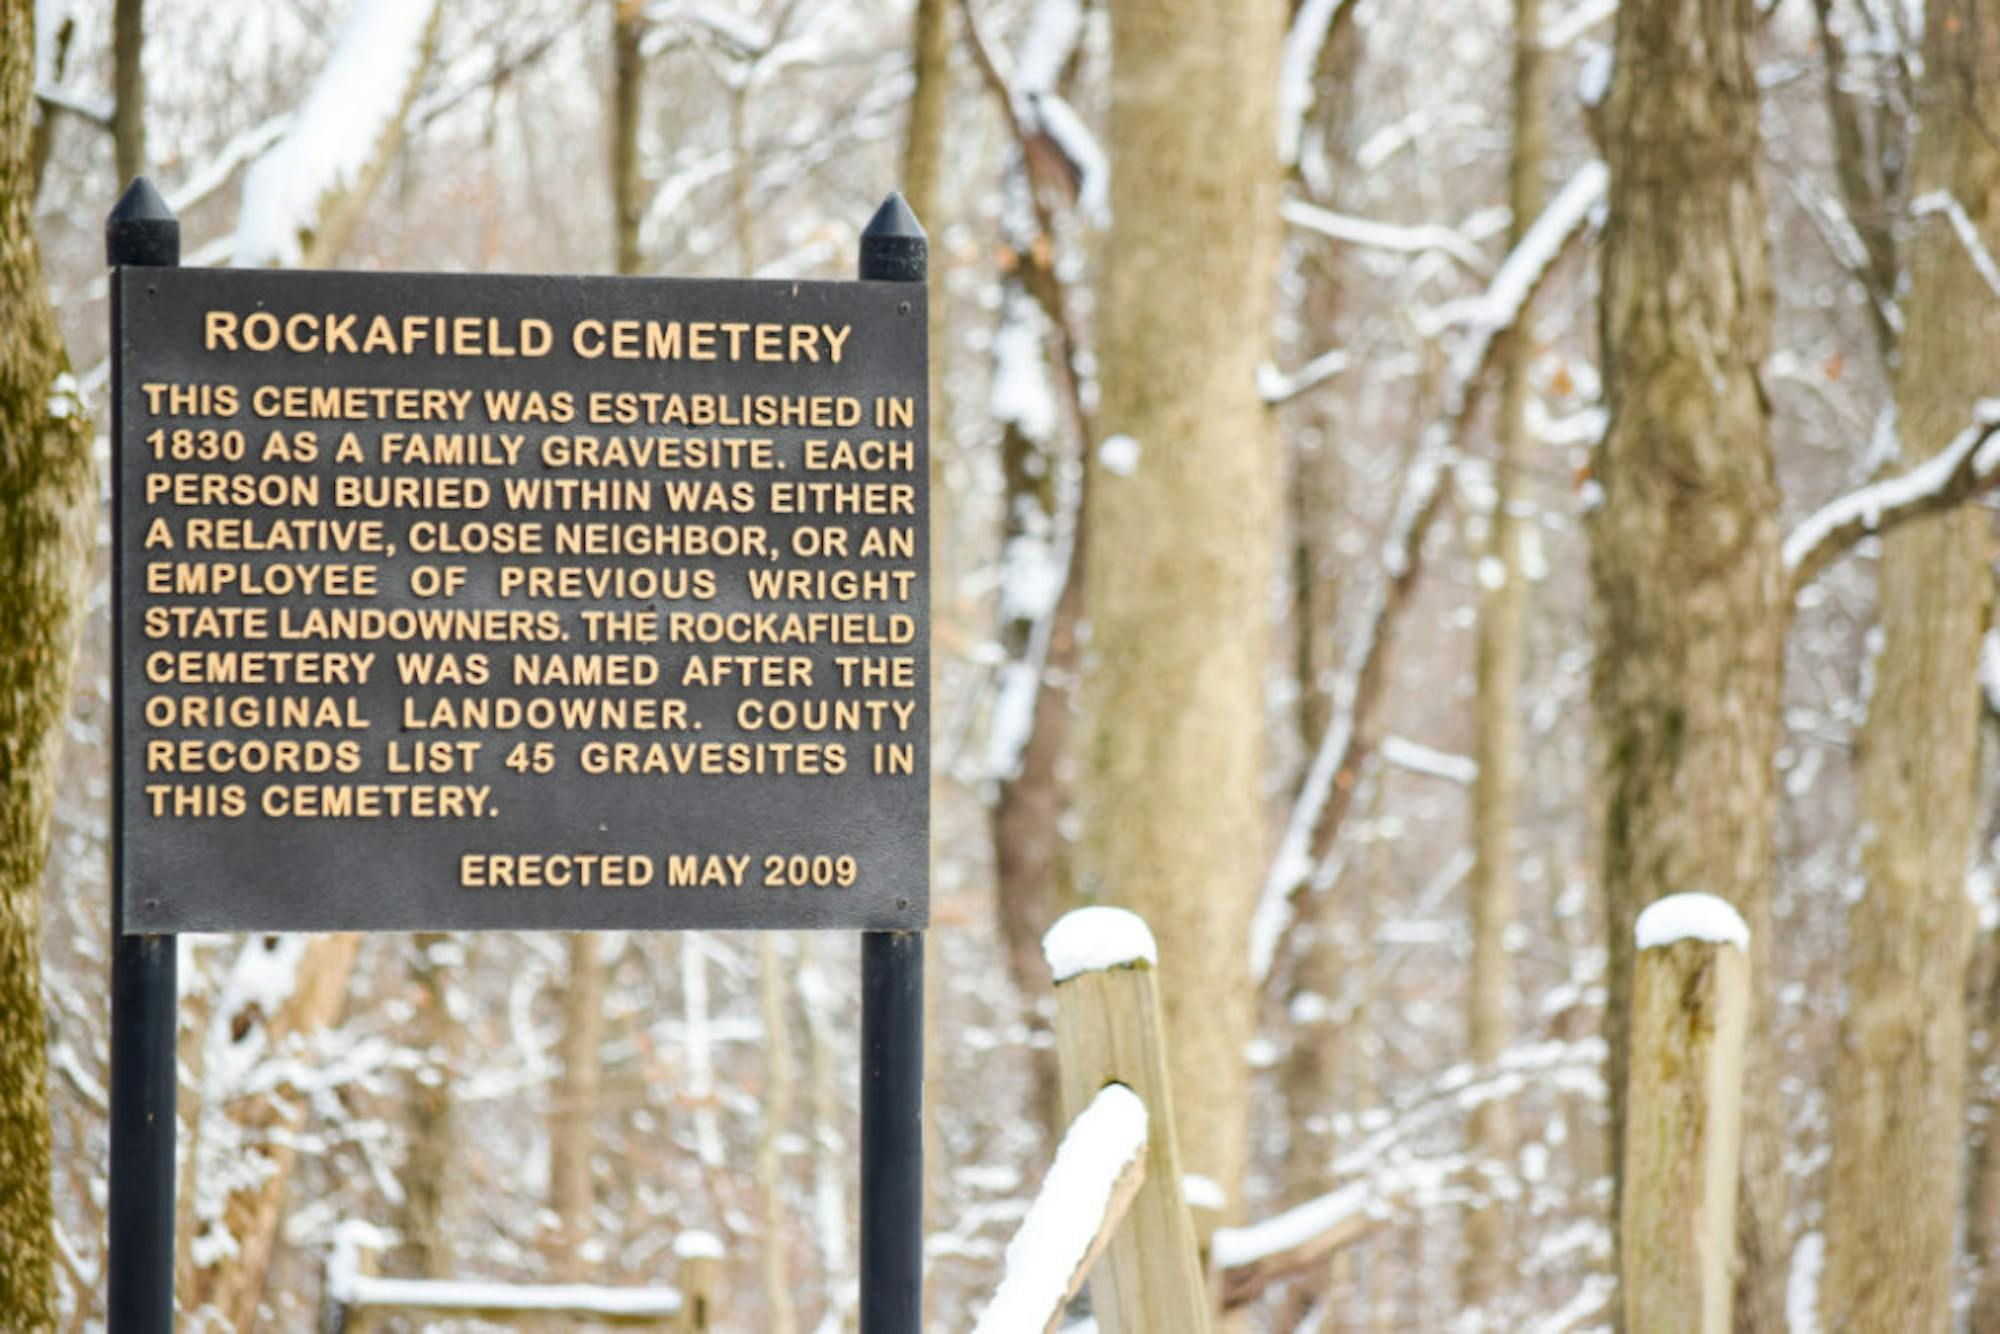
(1413, 484)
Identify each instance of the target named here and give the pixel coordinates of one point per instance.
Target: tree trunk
(1689, 592)
(427, 1108)
(774, 1243)
(1899, 1069)
(573, 1105)
(267, 1124)
(628, 203)
(128, 84)
(1183, 497)
(1503, 612)
(923, 142)
(48, 506)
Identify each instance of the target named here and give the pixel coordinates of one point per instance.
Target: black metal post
(893, 249)
(145, 982)
(892, 1132)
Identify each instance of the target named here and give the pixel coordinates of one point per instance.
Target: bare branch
(1967, 466)
(1326, 793)
(1418, 239)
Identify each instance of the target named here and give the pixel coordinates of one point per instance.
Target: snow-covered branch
(95, 110)
(1417, 239)
(1417, 758)
(1298, 66)
(1248, 1259)
(1278, 387)
(1323, 795)
(1967, 466)
(1098, 1168)
(1566, 28)
(354, 110)
(1942, 201)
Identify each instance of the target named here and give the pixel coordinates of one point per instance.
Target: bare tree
(1503, 614)
(1899, 1068)
(1182, 506)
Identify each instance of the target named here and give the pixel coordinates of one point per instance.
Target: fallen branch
(1964, 468)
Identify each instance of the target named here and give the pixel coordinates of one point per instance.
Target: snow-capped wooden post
(1109, 1030)
(1690, 1014)
(698, 1276)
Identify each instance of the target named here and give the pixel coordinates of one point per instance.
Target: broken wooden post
(1683, 1131)
(1109, 1030)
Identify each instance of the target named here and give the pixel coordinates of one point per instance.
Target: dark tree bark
(1689, 590)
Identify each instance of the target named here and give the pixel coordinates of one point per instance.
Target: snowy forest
(1474, 521)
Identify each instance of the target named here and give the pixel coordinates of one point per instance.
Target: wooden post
(1690, 1015)
(1108, 1030)
(698, 1279)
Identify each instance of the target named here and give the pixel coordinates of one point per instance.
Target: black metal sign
(452, 602)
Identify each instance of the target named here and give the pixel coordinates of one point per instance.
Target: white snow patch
(1013, 720)
(1989, 668)
(1417, 758)
(698, 1245)
(1056, 1234)
(482, 1294)
(1052, 34)
(1020, 391)
(1679, 917)
(1594, 80)
(1202, 1192)
(1237, 1246)
(1119, 454)
(358, 93)
(65, 400)
(1080, 146)
(1091, 940)
(1802, 1284)
(1278, 387)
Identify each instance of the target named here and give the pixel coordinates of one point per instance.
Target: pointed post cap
(893, 245)
(142, 230)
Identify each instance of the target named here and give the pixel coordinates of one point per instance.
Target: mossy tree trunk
(1689, 591)
(48, 505)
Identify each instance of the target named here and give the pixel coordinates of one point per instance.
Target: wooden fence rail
(355, 1296)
